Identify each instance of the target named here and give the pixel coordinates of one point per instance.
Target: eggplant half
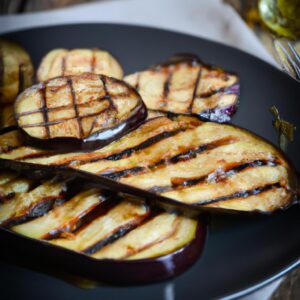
(199, 164)
(79, 112)
(187, 86)
(63, 62)
(100, 225)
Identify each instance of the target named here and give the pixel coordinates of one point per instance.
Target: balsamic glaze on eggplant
(79, 112)
(184, 85)
(192, 162)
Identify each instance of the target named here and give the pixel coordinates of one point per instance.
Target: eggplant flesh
(187, 86)
(102, 225)
(16, 71)
(64, 62)
(192, 162)
(79, 112)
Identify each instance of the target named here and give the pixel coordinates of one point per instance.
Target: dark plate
(242, 253)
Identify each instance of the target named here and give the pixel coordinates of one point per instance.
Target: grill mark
(81, 222)
(120, 232)
(128, 152)
(93, 61)
(35, 210)
(21, 78)
(44, 110)
(77, 117)
(228, 172)
(147, 246)
(225, 89)
(197, 82)
(185, 156)
(123, 173)
(58, 108)
(62, 120)
(242, 194)
(107, 94)
(166, 89)
(108, 97)
(63, 64)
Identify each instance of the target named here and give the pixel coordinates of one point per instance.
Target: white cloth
(210, 19)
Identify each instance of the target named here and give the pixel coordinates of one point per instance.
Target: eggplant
(198, 164)
(79, 112)
(106, 227)
(64, 62)
(185, 85)
(16, 74)
(16, 71)
(7, 116)
(10, 138)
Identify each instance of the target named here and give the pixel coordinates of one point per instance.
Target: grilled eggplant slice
(63, 62)
(200, 164)
(16, 74)
(16, 71)
(106, 226)
(186, 86)
(80, 112)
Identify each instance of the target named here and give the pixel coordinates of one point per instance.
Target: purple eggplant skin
(51, 259)
(94, 141)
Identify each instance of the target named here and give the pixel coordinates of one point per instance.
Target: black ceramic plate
(242, 253)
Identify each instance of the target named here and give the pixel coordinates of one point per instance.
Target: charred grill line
(77, 117)
(107, 94)
(83, 221)
(124, 173)
(7, 197)
(227, 173)
(120, 232)
(128, 152)
(63, 64)
(108, 97)
(21, 78)
(197, 82)
(34, 211)
(190, 154)
(93, 61)
(242, 194)
(58, 108)
(166, 89)
(220, 90)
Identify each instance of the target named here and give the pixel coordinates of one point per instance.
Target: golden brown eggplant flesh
(199, 164)
(107, 228)
(16, 74)
(79, 112)
(64, 62)
(16, 71)
(187, 86)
